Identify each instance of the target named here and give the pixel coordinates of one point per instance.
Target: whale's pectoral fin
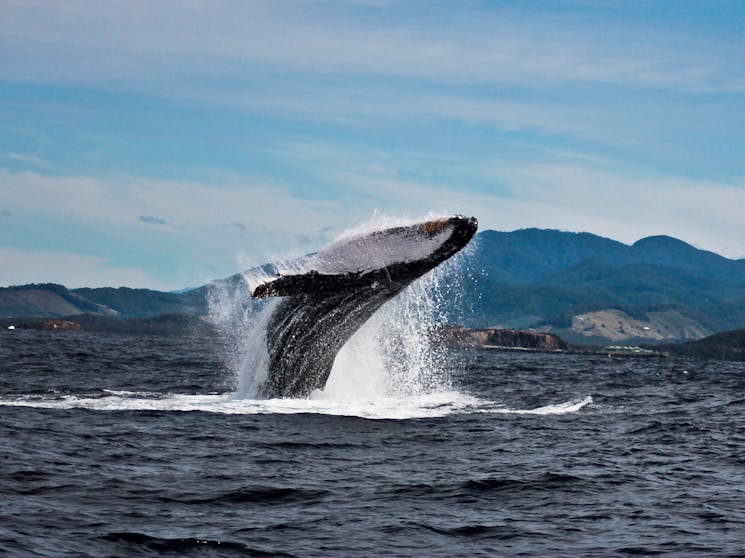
(313, 282)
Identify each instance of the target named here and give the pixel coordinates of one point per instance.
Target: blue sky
(163, 144)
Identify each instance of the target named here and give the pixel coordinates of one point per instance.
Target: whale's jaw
(342, 288)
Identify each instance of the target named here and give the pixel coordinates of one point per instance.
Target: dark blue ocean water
(118, 445)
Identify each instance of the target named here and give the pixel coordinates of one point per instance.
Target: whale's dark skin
(321, 311)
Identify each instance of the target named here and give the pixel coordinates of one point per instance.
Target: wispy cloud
(628, 207)
(580, 197)
(191, 205)
(638, 83)
(152, 220)
(484, 45)
(275, 221)
(25, 158)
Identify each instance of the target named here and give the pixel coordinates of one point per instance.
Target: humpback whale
(338, 289)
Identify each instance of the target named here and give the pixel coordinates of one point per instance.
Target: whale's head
(380, 248)
(394, 255)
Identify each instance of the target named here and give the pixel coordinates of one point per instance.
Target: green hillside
(49, 300)
(45, 300)
(545, 279)
(529, 255)
(727, 345)
(142, 303)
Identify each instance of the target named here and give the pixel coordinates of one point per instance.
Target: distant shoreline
(727, 346)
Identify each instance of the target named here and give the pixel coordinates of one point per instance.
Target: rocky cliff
(491, 338)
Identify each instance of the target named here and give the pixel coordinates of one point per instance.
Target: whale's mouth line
(333, 294)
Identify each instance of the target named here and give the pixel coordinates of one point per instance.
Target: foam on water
(432, 405)
(571, 406)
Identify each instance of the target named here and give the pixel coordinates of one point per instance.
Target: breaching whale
(339, 289)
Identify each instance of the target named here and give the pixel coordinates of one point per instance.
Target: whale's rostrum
(339, 289)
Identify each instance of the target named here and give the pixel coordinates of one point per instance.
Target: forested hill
(658, 288)
(50, 300)
(528, 255)
(727, 345)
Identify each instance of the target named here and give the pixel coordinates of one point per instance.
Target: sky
(164, 144)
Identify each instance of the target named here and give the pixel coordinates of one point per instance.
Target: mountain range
(584, 287)
(592, 289)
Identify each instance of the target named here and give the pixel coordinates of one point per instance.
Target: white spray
(242, 323)
(392, 355)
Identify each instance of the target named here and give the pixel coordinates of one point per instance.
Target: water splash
(392, 355)
(242, 322)
(395, 354)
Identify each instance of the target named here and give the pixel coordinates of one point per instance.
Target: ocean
(117, 445)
